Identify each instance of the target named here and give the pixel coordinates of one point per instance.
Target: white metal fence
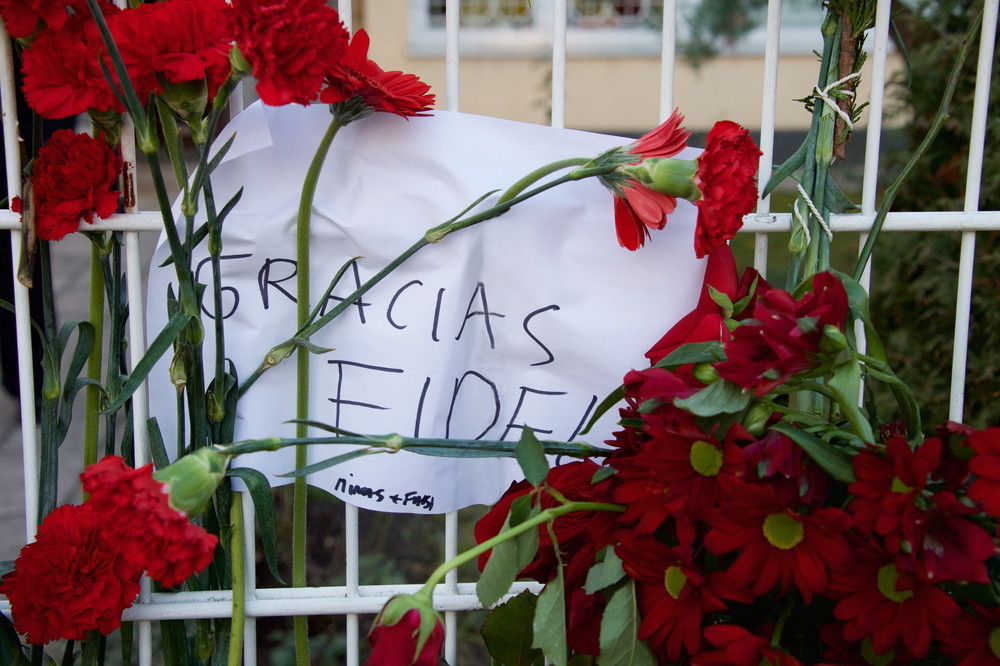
(352, 599)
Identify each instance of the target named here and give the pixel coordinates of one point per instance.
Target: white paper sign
(529, 319)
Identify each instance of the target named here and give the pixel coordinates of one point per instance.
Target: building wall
(609, 94)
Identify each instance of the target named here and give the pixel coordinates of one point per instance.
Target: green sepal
(398, 606)
(193, 479)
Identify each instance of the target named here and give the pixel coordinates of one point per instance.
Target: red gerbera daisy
(986, 466)
(736, 646)
(892, 605)
(777, 546)
(155, 536)
(673, 595)
(355, 75)
(74, 578)
(638, 208)
(290, 46)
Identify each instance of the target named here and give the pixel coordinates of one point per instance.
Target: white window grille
(353, 599)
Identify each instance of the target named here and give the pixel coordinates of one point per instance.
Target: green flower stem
(543, 517)
(91, 417)
(112, 265)
(538, 173)
(939, 120)
(848, 407)
(218, 396)
(239, 580)
(302, 380)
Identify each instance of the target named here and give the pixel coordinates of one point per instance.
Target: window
(594, 27)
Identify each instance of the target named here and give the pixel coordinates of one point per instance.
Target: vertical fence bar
(451, 56)
(558, 63)
(451, 586)
(352, 576)
(12, 162)
(768, 104)
(967, 257)
(668, 58)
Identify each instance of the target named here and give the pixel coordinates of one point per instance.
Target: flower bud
(192, 479)
(668, 175)
(188, 100)
(178, 370)
(407, 631)
(756, 419)
(833, 339)
(705, 373)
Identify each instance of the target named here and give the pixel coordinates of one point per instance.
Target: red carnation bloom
(396, 644)
(180, 41)
(728, 185)
(72, 178)
(156, 537)
(975, 638)
(290, 46)
(707, 321)
(736, 646)
(783, 338)
(62, 74)
(777, 546)
(637, 207)
(673, 596)
(889, 604)
(72, 579)
(355, 75)
(679, 472)
(22, 17)
(986, 466)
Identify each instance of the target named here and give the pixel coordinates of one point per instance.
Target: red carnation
(179, 41)
(290, 46)
(156, 537)
(73, 177)
(62, 74)
(22, 17)
(728, 185)
(986, 466)
(637, 207)
(355, 75)
(783, 338)
(72, 579)
(777, 545)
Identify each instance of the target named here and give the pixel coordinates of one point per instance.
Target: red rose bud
(406, 632)
(193, 479)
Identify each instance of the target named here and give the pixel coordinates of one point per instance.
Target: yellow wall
(602, 94)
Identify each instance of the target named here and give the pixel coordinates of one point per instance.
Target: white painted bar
(769, 96)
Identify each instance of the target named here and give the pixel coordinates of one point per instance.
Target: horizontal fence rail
(352, 599)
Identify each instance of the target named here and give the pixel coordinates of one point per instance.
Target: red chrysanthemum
(72, 579)
(673, 595)
(891, 605)
(62, 74)
(947, 545)
(678, 472)
(290, 46)
(157, 537)
(707, 321)
(638, 208)
(355, 75)
(728, 185)
(73, 178)
(23, 17)
(986, 466)
(783, 338)
(737, 646)
(975, 639)
(777, 545)
(178, 41)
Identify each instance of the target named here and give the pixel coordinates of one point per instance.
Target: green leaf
(693, 352)
(521, 509)
(330, 462)
(720, 397)
(549, 625)
(157, 449)
(620, 644)
(6, 567)
(498, 574)
(10, 644)
(797, 159)
(507, 631)
(154, 351)
(836, 201)
(721, 299)
(835, 462)
(530, 456)
(263, 506)
(605, 573)
(847, 379)
(613, 399)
